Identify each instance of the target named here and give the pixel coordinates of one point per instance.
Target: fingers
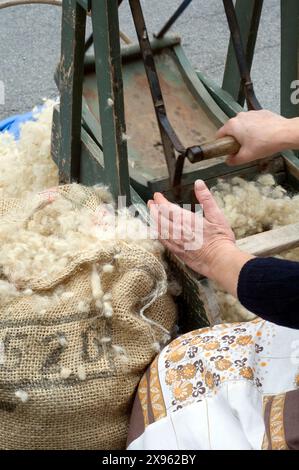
(233, 160)
(233, 127)
(166, 208)
(222, 132)
(171, 236)
(174, 227)
(210, 207)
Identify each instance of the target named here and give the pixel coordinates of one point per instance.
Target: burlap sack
(67, 377)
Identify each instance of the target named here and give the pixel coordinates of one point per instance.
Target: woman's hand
(206, 244)
(260, 134)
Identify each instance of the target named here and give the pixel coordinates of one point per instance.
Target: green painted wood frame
(104, 14)
(70, 85)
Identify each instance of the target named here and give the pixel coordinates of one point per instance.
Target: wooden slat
(110, 95)
(272, 242)
(70, 86)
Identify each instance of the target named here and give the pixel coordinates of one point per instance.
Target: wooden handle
(220, 147)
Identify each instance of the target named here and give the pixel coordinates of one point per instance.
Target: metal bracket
(170, 140)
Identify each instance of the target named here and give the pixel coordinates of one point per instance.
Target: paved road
(30, 47)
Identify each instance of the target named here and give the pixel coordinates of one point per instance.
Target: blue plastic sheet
(13, 123)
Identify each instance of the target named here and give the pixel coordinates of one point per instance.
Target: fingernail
(199, 184)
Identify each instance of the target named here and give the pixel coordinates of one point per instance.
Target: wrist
(290, 134)
(226, 266)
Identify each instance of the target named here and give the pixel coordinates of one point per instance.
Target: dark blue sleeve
(269, 287)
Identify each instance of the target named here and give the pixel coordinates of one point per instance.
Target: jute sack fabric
(68, 373)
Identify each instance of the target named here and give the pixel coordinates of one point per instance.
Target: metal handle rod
(173, 18)
(170, 140)
(251, 99)
(14, 3)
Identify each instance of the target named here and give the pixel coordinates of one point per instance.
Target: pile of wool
(252, 207)
(26, 164)
(53, 228)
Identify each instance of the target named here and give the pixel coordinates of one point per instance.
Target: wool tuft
(108, 310)
(105, 340)
(26, 164)
(156, 347)
(65, 372)
(81, 372)
(83, 306)
(118, 349)
(125, 137)
(22, 395)
(62, 341)
(107, 296)
(2, 353)
(108, 268)
(96, 286)
(65, 296)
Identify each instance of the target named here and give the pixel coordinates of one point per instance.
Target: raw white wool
(124, 359)
(67, 296)
(65, 372)
(174, 288)
(26, 165)
(104, 194)
(125, 137)
(42, 243)
(108, 310)
(108, 268)
(99, 304)
(255, 206)
(105, 340)
(7, 292)
(119, 350)
(96, 286)
(62, 340)
(110, 102)
(107, 296)
(83, 306)
(2, 353)
(22, 395)
(166, 339)
(156, 347)
(28, 292)
(81, 372)
(252, 207)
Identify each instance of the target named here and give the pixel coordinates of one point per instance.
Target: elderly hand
(206, 244)
(260, 134)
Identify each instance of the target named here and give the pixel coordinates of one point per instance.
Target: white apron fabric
(233, 386)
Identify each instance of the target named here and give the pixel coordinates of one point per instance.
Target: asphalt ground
(30, 47)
